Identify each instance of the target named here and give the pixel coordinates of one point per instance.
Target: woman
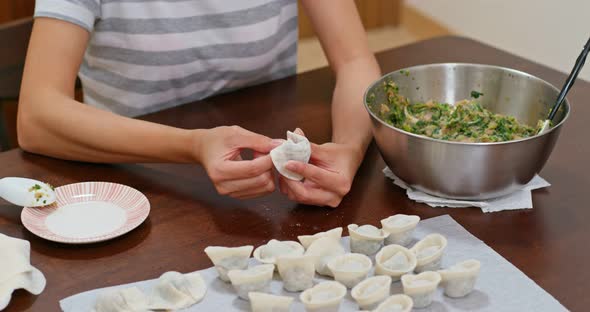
(140, 56)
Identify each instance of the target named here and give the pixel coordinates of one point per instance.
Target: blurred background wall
(549, 32)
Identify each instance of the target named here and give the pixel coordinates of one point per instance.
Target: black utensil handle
(570, 80)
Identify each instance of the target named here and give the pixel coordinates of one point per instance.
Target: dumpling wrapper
(175, 291)
(370, 292)
(306, 240)
(274, 248)
(325, 296)
(396, 303)
(229, 258)
(256, 278)
(297, 147)
(459, 280)
(350, 269)
(324, 250)
(262, 302)
(400, 228)
(421, 287)
(124, 300)
(394, 261)
(429, 252)
(16, 271)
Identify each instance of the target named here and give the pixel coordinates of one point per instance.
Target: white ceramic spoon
(26, 192)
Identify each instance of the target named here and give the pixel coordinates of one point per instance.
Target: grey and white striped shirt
(148, 55)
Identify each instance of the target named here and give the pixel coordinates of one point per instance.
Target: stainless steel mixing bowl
(469, 171)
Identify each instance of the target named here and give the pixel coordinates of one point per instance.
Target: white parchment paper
(500, 287)
(521, 199)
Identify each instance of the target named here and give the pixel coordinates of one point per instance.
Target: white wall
(551, 32)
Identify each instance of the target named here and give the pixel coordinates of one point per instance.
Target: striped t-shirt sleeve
(80, 12)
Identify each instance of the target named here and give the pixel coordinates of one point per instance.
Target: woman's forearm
(344, 41)
(350, 121)
(53, 124)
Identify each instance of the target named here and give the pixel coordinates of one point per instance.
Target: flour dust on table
(472, 277)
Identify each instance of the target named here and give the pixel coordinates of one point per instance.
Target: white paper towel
(16, 271)
(522, 199)
(500, 287)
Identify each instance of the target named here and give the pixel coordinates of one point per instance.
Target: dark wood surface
(548, 243)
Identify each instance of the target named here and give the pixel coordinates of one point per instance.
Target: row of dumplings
(323, 253)
(172, 291)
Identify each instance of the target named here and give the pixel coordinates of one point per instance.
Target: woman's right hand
(218, 150)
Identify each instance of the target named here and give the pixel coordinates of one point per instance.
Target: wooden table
(548, 242)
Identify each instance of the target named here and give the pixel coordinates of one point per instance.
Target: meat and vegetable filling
(466, 121)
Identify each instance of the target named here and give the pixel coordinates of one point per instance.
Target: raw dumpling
(229, 258)
(400, 228)
(429, 252)
(396, 303)
(324, 250)
(261, 302)
(297, 148)
(421, 287)
(306, 240)
(324, 297)
(365, 239)
(394, 261)
(371, 291)
(459, 279)
(253, 279)
(297, 272)
(273, 249)
(174, 291)
(124, 300)
(349, 269)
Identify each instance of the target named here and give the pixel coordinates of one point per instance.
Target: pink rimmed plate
(88, 212)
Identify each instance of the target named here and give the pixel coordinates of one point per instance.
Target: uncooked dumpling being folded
(174, 291)
(297, 148)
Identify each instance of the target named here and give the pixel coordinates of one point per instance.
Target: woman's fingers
(322, 177)
(241, 169)
(252, 193)
(243, 138)
(313, 196)
(283, 187)
(253, 184)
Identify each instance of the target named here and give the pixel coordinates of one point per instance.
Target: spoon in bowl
(566, 87)
(26, 192)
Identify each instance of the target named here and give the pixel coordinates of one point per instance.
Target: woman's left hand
(328, 176)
